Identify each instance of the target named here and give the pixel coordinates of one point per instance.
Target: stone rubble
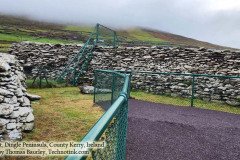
(15, 108)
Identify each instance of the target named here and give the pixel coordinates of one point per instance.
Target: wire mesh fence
(107, 86)
(106, 36)
(111, 91)
(115, 138)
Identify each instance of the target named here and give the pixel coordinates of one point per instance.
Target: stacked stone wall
(155, 59)
(15, 107)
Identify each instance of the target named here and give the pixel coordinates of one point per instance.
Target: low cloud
(215, 21)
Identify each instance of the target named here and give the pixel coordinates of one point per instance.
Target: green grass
(141, 35)
(79, 28)
(62, 114)
(178, 101)
(19, 38)
(7, 39)
(133, 34)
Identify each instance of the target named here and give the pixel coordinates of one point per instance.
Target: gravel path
(164, 132)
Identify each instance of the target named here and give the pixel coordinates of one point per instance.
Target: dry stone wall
(34, 55)
(159, 59)
(162, 59)
(182, 60)
(15, 107)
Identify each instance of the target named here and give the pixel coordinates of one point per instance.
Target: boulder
(87, 89)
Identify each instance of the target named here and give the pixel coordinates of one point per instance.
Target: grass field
(177, 101)
(63, 114)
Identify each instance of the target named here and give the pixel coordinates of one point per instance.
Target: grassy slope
(184, 102)
(181, 40)
(79, 28)
(16, 29)
(141, 35)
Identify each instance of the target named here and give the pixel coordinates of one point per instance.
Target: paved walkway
(163, 132)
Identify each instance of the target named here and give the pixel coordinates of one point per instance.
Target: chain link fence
(111, 91)
(106, 36)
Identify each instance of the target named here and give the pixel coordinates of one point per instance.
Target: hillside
(17, 29)
(181, 40)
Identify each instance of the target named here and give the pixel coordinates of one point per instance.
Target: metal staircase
(79, 64)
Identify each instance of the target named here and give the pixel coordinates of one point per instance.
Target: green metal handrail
(179, 74)
(101, 125)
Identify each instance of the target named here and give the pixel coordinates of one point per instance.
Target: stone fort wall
(156, 59)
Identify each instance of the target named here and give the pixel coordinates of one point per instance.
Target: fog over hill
(215, 21)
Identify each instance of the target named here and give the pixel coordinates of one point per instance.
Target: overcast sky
(215, 21)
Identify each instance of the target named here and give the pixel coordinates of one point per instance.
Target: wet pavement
(165, 132)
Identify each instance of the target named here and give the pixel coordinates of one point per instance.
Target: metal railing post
(114, 39)
(113, 87)
(193, 86)
(97, 33)
(129, 87)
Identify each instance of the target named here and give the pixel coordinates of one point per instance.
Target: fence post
(129, 87)
(97, 33)
(193, 86)
(113, 88)
(114, 39)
